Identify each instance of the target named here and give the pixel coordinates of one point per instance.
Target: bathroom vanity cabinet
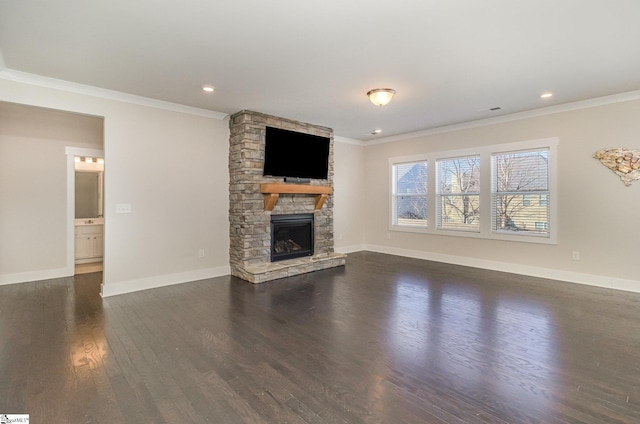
(89, 241)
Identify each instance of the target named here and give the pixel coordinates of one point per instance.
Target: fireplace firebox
(291, 236)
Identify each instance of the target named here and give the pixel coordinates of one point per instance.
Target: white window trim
(392, 205)
(438, 196)
(485, 153)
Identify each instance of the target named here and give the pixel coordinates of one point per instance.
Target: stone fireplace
(256, 201)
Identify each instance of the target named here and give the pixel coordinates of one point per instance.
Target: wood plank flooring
(385, 339)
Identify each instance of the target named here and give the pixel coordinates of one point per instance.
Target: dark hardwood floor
(385, 339)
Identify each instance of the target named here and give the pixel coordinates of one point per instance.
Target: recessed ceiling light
(376, 131)
(546, 95)
(208, 88)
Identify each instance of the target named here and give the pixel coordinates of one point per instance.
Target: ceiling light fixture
(546, 95)
(381, 96)
(376, 131)
(208, 88)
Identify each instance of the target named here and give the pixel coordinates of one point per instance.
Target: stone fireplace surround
(249, 214)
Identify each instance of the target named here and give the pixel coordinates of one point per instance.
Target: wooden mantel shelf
(272, 191)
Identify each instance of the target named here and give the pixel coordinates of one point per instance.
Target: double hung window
(504, 192)
(410, 194)
(520, 192)
(458, 196)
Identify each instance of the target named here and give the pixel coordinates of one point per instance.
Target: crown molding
(346, 140)
(550, 110)
(72, 87)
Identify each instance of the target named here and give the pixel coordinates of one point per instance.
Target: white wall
(348, 206)
(33, 178)
(171, 167)
(598, 214)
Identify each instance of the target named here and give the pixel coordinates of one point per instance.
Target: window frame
(527, 195)
(440, 196)
(394, 195)
(485, 153)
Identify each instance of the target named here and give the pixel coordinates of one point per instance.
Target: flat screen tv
(295, 155)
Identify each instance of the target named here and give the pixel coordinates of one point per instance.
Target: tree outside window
(458, 196)
(520, 191)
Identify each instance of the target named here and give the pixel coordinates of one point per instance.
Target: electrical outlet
(201, 253)
(575, 255)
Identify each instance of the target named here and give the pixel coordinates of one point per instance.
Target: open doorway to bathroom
(37, 150)
(89, 214)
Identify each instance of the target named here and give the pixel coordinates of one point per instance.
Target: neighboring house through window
(517, 179)
(410, 194)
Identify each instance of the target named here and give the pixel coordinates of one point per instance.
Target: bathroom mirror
(88, 194)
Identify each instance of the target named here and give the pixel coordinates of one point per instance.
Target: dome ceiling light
(381, 96)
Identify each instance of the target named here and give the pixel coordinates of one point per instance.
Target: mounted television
(295, 155)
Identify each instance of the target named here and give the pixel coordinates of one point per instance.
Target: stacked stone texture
(250, 231)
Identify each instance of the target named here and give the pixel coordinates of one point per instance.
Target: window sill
(536, 239)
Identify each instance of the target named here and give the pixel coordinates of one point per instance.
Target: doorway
(89, 217)
(85, 210)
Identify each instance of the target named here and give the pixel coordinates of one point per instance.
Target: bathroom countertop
(89, 221)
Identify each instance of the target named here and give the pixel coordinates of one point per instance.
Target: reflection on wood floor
(385, 339)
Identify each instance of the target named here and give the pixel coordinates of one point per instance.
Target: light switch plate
(123, 208)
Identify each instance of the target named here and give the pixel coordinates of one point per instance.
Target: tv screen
(295, 155)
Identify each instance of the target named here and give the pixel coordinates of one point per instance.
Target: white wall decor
(623, 162)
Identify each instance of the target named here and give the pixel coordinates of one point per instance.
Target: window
(542, 200)
(517, 179)
(501, 192)
(458, 193)
(542, 226)
(410, 194)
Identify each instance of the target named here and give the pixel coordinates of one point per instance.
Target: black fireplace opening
(291, 236)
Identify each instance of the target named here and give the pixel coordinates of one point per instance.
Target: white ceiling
(449, 60)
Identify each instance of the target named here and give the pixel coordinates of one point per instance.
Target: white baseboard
(122, 287)
(129, 286)
(46, 274)
(350, 249)
(552, 274)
